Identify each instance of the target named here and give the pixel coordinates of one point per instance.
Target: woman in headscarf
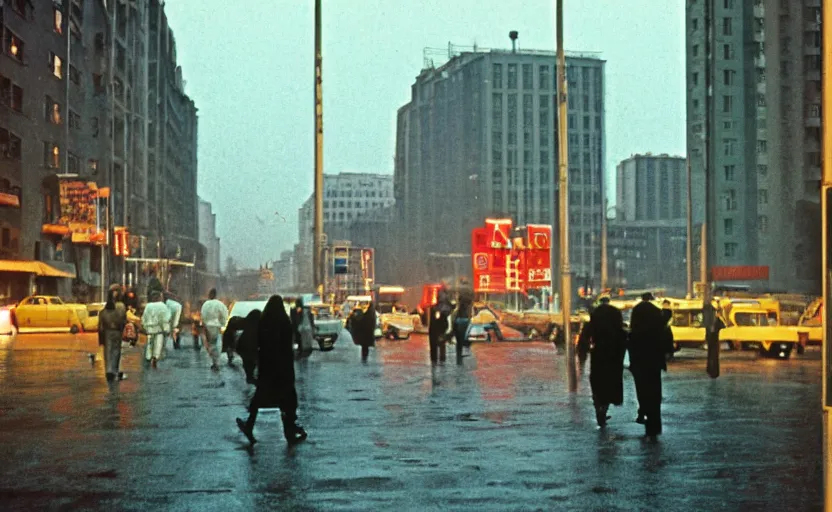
(111, 321)
(362, 325)
(276, 373)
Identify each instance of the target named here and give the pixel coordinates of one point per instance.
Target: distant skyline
(250, 72)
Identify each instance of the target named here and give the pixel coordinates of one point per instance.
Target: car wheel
(74, 329)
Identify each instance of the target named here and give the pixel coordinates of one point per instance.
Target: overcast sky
(250, 71)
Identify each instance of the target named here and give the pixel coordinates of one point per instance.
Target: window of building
(695, 50)
(11, 94)
(73, 164)
(497, 156)
(695, 78)
(695, 23)
(728, 125)
(511, 139)
(728, 226)
(571, 122)
(51, 155)
(730, 200)
(545, 81)
(497, 76)
(729, 4)
(13, 45)
(762, 169)
(726, 26)
(813, 110)
(58, 18)
(496, 139)
(52, 110)
(512, 76)
(74, 120)
(729, 173)
(762, 147)
(762, 223)
(587, 124)
(528, 80)
(74, 75)
(730, 250)
(544, 157)
(728, 146)
(20, 7)
(762, 197)
(727, 103)
(56, 65)
(695, 104)
(10, 146)
(94, 127)
(727, 52)
(728, 76)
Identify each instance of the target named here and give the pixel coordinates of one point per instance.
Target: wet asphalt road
(498, 433)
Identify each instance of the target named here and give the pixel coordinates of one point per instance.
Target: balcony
(760, 61)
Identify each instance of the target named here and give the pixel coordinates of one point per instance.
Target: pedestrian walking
(246, 343)
(214, 317)
(276, 373)
(649, 345)
(461, 321)
(605, 339)
(111, 322)
(175, 309)
(156, 323)
(438, 326)
(303, 326)
(362, 326)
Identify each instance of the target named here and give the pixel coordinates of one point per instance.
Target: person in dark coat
(604, 337)
(650, 344)
(246, 342)
(461, 322)
(438, 318)
(276, 373)
(362, 326)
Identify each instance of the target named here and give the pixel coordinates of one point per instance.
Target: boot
(294, 433)
(246, 430)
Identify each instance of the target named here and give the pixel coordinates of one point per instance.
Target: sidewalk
(498, 433)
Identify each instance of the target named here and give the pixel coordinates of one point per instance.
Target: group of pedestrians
(649, 343)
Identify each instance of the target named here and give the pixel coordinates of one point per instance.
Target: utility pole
(689, 226)
(711, 335)
(604, 254)
(826, 223)
(563, 197)
(319, 153)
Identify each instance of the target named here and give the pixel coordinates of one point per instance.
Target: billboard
(504, 262)
(78, 214)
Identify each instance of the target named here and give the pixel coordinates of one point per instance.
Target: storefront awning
(33, 267)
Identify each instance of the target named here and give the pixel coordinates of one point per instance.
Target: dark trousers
(437, 347)
(365, 352)
(649, 392)
(249, 364)
(460, 332)
(288, 412)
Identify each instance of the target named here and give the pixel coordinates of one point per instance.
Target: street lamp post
(563, 176)
(319, 153)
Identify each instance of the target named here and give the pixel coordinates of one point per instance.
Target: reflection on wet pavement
(496, 433)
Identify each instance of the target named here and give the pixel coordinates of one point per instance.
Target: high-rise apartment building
(348, 197)
(764, 131)
(479, 139)
(650, 207)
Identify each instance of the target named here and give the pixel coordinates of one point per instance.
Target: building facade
(765, 134)
(651, 206)
(106, 107)
(348, 197)
(284, 271)
(478, 139)
(208, 237)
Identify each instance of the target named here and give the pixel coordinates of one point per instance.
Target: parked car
(327, 326)
(42, 312)
(90, 324)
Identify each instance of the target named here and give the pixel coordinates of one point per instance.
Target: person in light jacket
(156, 323)
(175, 309)
(214, 317)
